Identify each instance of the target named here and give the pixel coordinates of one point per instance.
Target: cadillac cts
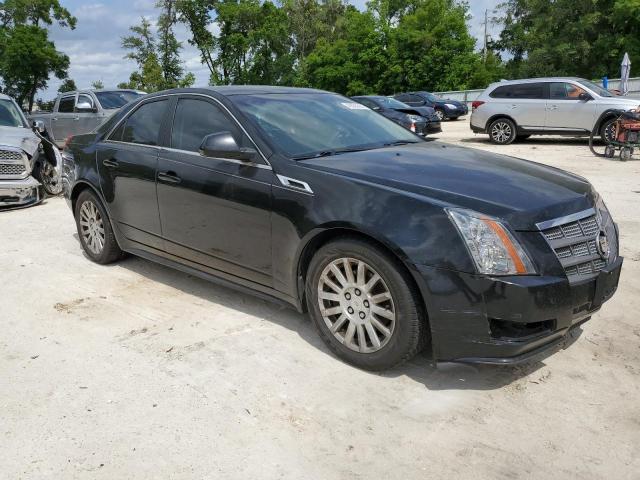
(391, 242)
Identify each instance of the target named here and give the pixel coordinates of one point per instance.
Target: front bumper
(19, 193)
(508, 320)
(434, 126)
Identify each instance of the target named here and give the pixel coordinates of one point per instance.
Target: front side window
(10, 116)
(316, 124)
(596, 88)
(67, 104)
(143, 125)
(565, 91)
(195, 119)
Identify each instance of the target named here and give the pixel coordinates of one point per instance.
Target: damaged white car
(30, 165)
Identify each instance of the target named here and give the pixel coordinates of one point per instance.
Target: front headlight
(415, 118)
(602, 212)
(450, 105)
(492, 246)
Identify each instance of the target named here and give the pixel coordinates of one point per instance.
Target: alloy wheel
(92, 227)
(50, 180)
(440, 115)
(356, 305)
(501, 132)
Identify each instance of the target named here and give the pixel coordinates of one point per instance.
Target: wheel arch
(498, 116)
(605, 117)
(322, 236)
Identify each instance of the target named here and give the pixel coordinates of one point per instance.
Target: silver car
(516, 109)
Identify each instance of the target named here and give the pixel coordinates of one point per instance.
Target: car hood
(22, 138)
(620, 102)
(426, 112)
(523, 193)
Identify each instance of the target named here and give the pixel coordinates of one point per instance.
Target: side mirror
(84, 107)
(585, 97)
(38, 126)
(223, 145)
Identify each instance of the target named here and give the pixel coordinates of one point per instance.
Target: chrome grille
(10, 155)
(575, 244)
(12, 169)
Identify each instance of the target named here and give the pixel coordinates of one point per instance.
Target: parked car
(446, 109)
(420, 120)
(514, 110)
(80, 112)
(389, 241)
(30, 165)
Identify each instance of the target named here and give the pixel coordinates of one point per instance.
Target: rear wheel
(94, 229)
(364, 305)
(502, 131)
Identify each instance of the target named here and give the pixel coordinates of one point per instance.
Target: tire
(606, 133)
(609, 151)
(389, 309)
(440, 114)
(625, 154)
(99, 243)
(45, 173)
(502, 131)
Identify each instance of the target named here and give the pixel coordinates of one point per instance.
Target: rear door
(127, 162)
(565, 109)
(526, 103)
(64, 120)
(214, 211)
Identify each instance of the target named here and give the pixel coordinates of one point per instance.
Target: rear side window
(67, 104)
(195, 119)
(522, 91)
(143, 125)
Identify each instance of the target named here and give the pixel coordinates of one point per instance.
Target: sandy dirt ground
(137, 371)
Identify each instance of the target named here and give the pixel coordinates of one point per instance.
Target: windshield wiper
(330, 153)
(398, 143)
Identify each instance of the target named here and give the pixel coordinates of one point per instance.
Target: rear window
(522, 91)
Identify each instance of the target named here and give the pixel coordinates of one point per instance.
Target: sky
(95, 51)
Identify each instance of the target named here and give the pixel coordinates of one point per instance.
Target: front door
(128, 162)
(566, 111)
(214, 211)
(87, 120)
(64, 120)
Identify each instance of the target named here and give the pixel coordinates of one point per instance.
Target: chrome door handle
(109, 163)
(552, 107)
(76, 119)
(514, 107)
(169, 177)
(55, 119)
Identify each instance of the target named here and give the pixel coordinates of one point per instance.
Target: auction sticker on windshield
(354, 106)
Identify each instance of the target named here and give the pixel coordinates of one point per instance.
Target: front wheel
(47, 175)
(608, 131)
(440, 115)
(94, 229)
(502, 131)
(364, 305)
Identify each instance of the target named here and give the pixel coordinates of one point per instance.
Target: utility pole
(486, 23)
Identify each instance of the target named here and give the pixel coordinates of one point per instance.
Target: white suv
(516, 109)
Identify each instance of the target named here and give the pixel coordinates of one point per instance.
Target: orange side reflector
(511, 249)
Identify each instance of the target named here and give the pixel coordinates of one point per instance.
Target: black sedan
(446, 109)
(390, 242)
(420, 120)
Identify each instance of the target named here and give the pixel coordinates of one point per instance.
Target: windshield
(116, 99)
(315, 124)
(390, 102)
(10, 115)
(430, 96)
(596, 88)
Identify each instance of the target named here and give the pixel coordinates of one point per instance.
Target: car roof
(5, 97)
(231, 90)
(536, 80)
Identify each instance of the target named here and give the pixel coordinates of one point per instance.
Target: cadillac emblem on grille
(604, 249)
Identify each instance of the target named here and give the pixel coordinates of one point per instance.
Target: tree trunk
(32, 94)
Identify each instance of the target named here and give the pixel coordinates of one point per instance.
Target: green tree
(353, 63)
(27, 57)
(151, 76)
(97, 85)
(67, 85)
(587, 38)
(253, 44)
